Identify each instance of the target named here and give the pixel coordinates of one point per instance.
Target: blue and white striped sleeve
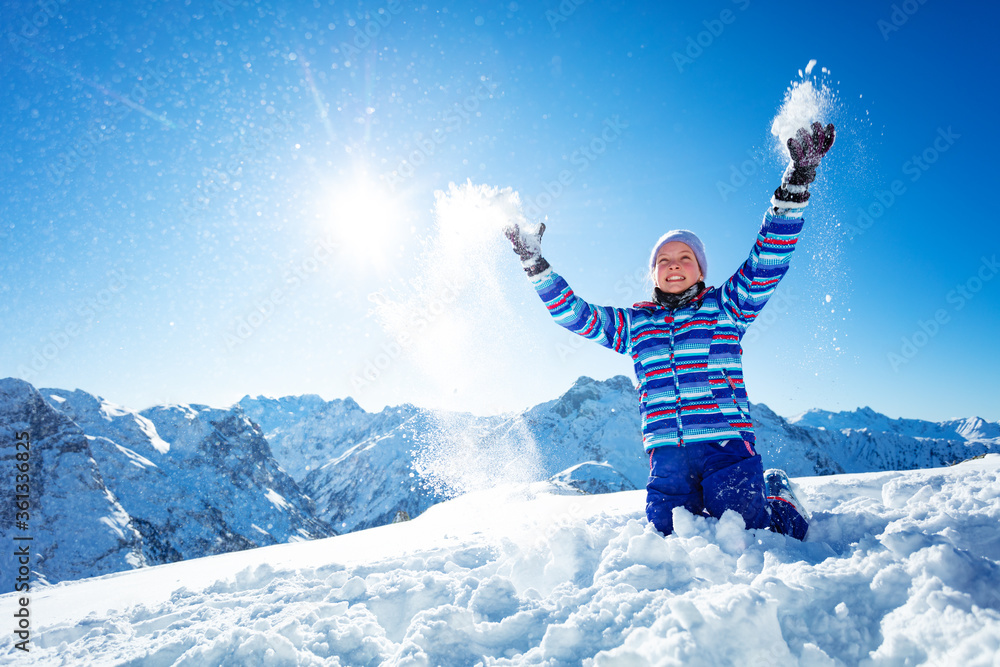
(746, 292)
(604, 325)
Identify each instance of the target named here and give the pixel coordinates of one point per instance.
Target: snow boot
(788, 515)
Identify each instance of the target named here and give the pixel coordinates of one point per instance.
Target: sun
(365, 218)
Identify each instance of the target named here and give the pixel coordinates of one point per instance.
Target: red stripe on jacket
(555, 304)
(687, 367)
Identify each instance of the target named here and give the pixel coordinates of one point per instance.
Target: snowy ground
(899, 568)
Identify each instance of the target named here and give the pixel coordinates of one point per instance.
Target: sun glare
(366, 219)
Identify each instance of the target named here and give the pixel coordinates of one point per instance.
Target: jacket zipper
(677, 380)
(673, 359)
(732, 385)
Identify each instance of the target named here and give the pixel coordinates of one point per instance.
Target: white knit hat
(684, 236)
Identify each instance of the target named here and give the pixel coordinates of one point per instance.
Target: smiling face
(676, 268)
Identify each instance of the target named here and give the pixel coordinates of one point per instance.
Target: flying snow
(806, 102)
(460, 458)
(452, 318)
(458, 329)
(812, 98)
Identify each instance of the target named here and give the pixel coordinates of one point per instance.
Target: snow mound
(898, 568)
(593, 477)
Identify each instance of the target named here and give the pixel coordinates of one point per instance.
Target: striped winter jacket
(687, 361)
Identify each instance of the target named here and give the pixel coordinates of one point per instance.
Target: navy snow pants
(710, 478)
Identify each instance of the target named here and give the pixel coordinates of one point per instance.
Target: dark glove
(528, 246)
(806, 151)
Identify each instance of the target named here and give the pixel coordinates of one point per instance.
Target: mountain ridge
(181, 481)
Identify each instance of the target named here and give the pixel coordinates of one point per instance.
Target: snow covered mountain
(372, 479)
(121, 489)
(76, 524)
(305, 431)
(594, 421)
(820, 442)
(972, 428)
(114, 489)
(899, 568)
(407, 459)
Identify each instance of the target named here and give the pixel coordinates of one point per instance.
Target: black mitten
(806, 150)
(528, 246)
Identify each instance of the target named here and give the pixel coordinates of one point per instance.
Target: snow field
(898, 568)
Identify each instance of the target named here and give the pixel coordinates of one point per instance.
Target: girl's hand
(807, 150)
(528, 246)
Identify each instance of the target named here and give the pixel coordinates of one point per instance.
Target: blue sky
(199, 198)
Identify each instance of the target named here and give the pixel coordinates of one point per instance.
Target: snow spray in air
(807, 101)
(822, 299)
(458, 457)
(461, 334)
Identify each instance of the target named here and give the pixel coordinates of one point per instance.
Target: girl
(685, 346)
